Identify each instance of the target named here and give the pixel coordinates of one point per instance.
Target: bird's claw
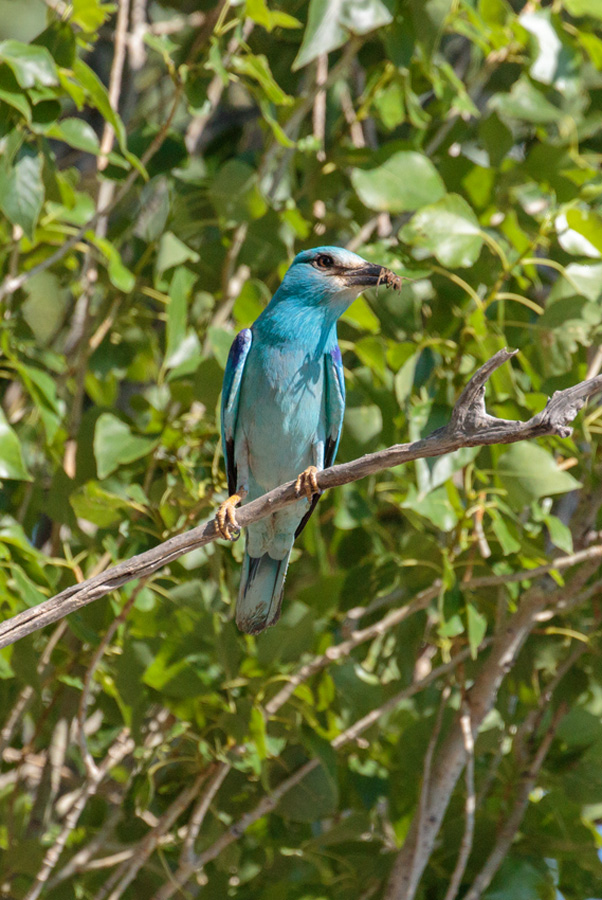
(307, 482)
(225, 518)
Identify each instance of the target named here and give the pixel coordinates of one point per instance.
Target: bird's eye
(324, 261)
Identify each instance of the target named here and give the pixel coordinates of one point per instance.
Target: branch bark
(470, 426)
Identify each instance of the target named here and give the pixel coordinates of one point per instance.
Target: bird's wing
(230, 399)
(335, 403)
(335, 409)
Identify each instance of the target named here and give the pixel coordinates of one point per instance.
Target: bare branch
(470, 426)
(120, 43)
(28, 692)
(339, 651)
(122, 746)
(508, 642)
(470, 806)
(426, 775)
(508, 832)
(82, 710)
(114, 887)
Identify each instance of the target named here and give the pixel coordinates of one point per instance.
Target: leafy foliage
(459, 144)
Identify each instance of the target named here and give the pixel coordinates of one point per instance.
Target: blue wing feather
(230, 399)
(335, 403)
(335, 410)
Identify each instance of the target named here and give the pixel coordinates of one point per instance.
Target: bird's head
(334, 276)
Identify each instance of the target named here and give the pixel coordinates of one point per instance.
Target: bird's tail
(260, 593)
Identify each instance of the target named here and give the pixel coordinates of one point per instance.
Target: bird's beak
(371, 275)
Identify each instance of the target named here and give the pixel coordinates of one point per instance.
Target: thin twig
(83, 857)
(470, 426)
(319, 110)
(508, 832)
(342, 650)
(122, 746)
(28, 691)
(82, 710)
(200, 810)
(115, 79)
(470, 807)
(427, 770)
(124, 875)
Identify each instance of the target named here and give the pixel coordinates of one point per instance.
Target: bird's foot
(307, 483)
(225, 518)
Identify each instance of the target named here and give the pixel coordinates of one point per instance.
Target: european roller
(282, 411)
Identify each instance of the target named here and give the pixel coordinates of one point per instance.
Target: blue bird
(282, 412)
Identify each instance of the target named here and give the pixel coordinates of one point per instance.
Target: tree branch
(508, 642)
(470, 426)
(511, 826)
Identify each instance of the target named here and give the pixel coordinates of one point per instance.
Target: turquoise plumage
(283, 402)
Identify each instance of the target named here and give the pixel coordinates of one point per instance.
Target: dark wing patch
(307, 516)
(330, 448)
(230, 397)
(230, 466)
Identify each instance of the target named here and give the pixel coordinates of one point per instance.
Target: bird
(282, 407)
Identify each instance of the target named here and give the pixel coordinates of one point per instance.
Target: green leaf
(115, 445)
(527, 103)
(22, 191)
(90, 14)
(96, 505)
(45, 306)
(31, 65)
(11, 460)
(330, 22)
(476, 630)
(59, 39)
(545, 67)
(529, 472)
(177, 311)
(257, 732)
(584, 8)
(18, 101)
(560, 534)
(501, 529)
(315, 797)
(581, 278)
(27, 590)
(123, 279)
(173, 252)
(371, 351)
(258, 11)
(258, 68)
(588, 224)
(361, 316)
(97, 94)
(448, 230)
(434, 506)
(75, 132)
(405, 182)
(404, 378)
(235, 194)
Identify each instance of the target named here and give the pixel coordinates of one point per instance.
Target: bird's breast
(281, 411)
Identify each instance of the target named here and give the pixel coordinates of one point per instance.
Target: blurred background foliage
(146, 216)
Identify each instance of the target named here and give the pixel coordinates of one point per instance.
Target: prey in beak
(370, 275)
